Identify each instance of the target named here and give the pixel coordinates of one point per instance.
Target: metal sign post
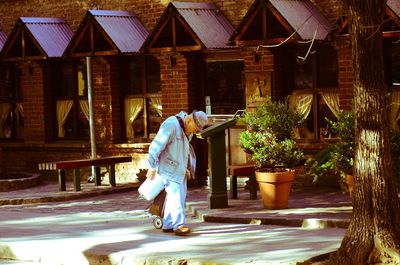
(91, 115)
(215, 134)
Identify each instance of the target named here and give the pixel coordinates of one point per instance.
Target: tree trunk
(373, 236)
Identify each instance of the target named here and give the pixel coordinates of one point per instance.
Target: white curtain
(19, 113)
(156, 103)
(4, 112)
(19, 110)
(395, 109)
(301, 103)
(85, 108)
(133, 106)
(63, 108)
(332, 100)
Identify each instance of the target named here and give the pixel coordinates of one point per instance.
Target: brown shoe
(182, 230)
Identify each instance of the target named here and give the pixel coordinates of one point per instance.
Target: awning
(275, 20)
(114, 32)
(188, 26)
(37, 38)
(394, 5)
(304, 18)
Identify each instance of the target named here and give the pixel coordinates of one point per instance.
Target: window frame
(13, 96)
(315, 90)
(145, 64)
(73, 95)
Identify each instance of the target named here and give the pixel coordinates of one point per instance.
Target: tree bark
(373, 236)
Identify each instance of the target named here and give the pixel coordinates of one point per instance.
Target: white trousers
(174, 207)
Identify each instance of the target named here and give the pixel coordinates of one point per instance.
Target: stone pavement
(103, 225)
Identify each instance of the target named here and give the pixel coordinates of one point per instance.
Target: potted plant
(268, 140)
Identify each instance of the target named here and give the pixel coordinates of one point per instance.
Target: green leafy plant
(336, 160)
(268, 135)
(395, 143)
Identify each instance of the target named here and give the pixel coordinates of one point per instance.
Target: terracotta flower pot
(275, 188)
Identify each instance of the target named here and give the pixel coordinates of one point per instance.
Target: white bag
(151, 188)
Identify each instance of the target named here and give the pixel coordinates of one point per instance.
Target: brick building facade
(181, 77)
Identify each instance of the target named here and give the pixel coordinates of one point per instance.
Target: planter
(275, 188)
(17, 181)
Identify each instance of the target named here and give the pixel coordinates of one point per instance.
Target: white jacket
(170, 151)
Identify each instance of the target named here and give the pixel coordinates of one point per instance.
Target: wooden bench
(245, 170)
(76, 165)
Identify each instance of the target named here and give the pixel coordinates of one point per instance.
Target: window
(312, 87)
(225, 87)
(143, 109)
(11, 109)
(392, 62)
(72, 110)
(392, 75)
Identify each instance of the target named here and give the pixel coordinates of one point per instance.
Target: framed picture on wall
(258, 87)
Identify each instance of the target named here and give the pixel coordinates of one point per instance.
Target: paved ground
(102, 227)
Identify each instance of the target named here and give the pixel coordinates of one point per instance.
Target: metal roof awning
(394, 5)
(304, 18)
(188, 26)
(37, 38)
(108, 32)
(271, 21)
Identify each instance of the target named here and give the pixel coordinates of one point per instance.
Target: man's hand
(151, 173)
(187, 174)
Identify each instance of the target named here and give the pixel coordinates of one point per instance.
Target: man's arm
(157, 146)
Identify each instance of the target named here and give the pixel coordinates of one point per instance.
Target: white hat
(200, 118)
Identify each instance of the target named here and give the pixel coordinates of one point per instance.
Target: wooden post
(77, 179)
(61, 180)
(217, 195)
(97, 179)
(112, 175)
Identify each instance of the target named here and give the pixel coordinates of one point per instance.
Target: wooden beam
(190, 31)
(281, 19)
(95, 53)
(26, 58)
(173, 32)
(178, 49)
(248, 22)
(91, 37)
(264, 22)
(78, 38)
(158, 32)
(273, 41)
(23, 43)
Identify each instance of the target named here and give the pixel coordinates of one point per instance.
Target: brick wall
(102, 100)
(261, 60)
(33, 95)
(174, 83)
(50, 128)
(116, 105)
(345, 74)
